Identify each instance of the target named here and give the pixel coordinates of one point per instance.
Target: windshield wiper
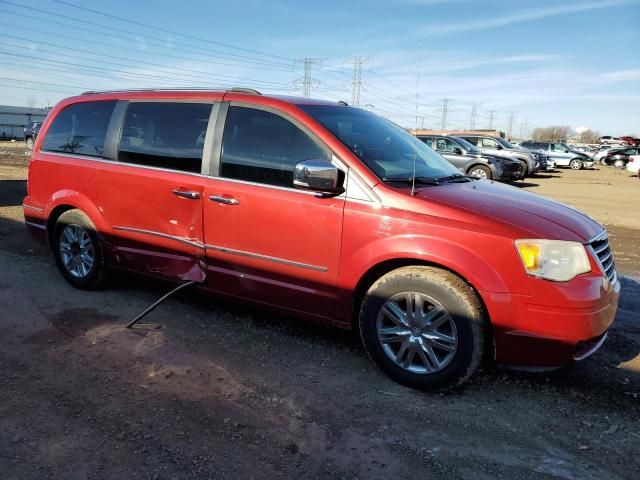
(456, 177)
(409, 180)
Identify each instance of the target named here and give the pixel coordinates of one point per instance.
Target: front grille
(600, 246)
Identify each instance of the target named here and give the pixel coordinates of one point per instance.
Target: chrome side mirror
(318, 176)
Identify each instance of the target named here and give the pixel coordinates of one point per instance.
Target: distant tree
(31, 101)
(554, 133)
(589, 136)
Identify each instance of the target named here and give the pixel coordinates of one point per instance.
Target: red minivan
(326, 212)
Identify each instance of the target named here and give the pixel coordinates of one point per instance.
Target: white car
(605, 150)
(633, 165)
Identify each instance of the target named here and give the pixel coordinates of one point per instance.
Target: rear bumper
(530, 334)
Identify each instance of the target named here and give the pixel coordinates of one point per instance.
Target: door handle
(224, 200)
(185, 194)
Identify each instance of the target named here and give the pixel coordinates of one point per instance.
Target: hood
(538, 216)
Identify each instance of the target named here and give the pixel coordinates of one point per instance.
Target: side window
(165, 134)
(80, 129)
(489, 143)
(558, 148)
(263, 147)
(471, 140)
(441, 145)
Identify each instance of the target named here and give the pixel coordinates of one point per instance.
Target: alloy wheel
(575, 164)
(76, 250)
(478, 173)
(417, 333)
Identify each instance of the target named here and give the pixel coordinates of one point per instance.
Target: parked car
(30, 133)
(500, 147)
(561, 154)
(619, 158)
(544, 161)
(633, 165)
(468, 159)
(326, 212)
(609, 140)
(634, 142)
(604, 150)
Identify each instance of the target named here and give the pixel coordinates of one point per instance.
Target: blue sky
(548, 62)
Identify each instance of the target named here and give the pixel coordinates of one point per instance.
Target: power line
(199, 73)
(134, 22)
(262, 66)
(136, 35)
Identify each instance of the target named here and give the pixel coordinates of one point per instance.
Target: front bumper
(563, 322)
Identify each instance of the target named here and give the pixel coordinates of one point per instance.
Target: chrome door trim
(268, 258)
(193, 243)
(36, 225)
(35, 209)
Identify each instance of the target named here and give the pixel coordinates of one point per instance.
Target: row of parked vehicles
(495, 158)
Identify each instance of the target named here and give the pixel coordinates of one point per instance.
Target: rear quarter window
(165, 135)
(80, 129)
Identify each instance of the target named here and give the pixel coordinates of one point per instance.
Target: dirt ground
(227, 391)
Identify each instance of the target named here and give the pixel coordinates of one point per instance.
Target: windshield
(504, 143)
(470, 147)
(385, 148)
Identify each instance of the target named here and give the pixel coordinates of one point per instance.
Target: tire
(454, 309)
(481, 171)
(575, 164)
(74, 242)
(29, 142)
(619, 163)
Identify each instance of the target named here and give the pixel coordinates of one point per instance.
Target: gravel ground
(226, 391)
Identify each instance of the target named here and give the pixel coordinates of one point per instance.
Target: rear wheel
(481, 171)
(77, 250)
(619, 163)
(423, 327)
(29, 143)
(575, 164)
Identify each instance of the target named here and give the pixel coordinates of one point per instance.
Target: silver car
(562, 154)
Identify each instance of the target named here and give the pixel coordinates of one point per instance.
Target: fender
(82, 202)
(456, 257)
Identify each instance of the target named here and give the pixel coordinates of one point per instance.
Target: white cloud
(523, 16)
(622, 75)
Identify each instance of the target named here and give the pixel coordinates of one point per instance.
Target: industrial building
(14, 119)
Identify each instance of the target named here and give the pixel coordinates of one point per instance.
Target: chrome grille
(601, 250)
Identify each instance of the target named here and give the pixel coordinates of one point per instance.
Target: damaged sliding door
(152, 193)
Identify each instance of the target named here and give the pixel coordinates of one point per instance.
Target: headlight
(555, 260)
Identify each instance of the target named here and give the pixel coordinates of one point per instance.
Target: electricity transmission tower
(307, 82)
(356, 82)
(491, 112)
(510, 126)
(472, 118)
(445, 108)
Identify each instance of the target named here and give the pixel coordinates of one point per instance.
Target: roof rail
(244, 90)
(168, 89)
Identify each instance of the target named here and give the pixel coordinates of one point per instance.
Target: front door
(152, 196)
(265, 240)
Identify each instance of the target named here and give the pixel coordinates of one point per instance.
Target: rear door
(152, 196)
(266, 241)
(447, 148)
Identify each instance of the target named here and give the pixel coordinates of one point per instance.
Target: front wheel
(423, 327)
(481, 171)
(77, 250)
(575, 164)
